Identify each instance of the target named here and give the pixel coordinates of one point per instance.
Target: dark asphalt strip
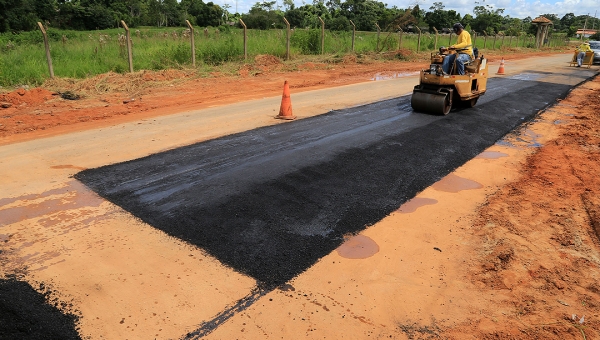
(26, 314)
(272, 221)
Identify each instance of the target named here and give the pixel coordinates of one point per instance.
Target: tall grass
(80, 54)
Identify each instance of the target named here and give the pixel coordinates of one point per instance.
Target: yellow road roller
(438, 92)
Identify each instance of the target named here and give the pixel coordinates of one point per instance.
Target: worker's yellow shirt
(584, 48)
(464, 41)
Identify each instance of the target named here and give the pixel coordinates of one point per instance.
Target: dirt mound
(349, 59)
(24, 96)
(115, 82)
(266, 60)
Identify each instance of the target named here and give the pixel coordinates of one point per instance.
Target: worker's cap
(457, 27)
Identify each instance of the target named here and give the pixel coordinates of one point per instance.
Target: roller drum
(434, 103)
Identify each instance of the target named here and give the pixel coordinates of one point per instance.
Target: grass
(84, 54)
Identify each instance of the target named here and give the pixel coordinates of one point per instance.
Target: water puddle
(527, 139)
(358, 247)
(453, 183)
(393, 75)
(526, 76)
(491, 155)
(530, 139)
(415, 203)
(56, 201)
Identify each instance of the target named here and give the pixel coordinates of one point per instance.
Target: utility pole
(584, 25)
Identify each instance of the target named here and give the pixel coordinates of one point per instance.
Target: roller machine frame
(438, 92)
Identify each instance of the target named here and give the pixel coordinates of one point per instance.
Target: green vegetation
(84, 34)
(81, 54)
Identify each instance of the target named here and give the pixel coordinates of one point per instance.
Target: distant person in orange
(585, 47)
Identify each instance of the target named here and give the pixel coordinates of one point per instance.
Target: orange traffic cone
(285, 111)
(501, 68)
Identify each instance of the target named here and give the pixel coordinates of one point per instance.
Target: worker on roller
(585, 47)
(463, 48)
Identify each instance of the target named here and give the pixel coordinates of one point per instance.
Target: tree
(288, 5)
(210, 15)
(262, 16)
(364, 13)
(487, 19)
(439, 18)
(467, 20)
(17, 15)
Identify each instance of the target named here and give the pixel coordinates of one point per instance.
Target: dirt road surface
(505, 247)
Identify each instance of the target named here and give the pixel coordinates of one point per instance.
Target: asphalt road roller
(438, 92)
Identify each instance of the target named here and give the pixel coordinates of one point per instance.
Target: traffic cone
(501, 68)
(285, 110)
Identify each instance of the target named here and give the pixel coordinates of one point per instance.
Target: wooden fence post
(192, 42)
(419, 41)
(474, 38)
(450, 40)
(494, 45)
(353, 34)
(436, 39)
(322, 35)
(502, 42)
(47, 46)
(400, 39)
(245, 40)
(378, 31)
(287, 44)
(129, 52)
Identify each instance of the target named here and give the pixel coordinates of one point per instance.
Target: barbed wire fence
(309, 41)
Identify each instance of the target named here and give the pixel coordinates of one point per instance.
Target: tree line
(365, 15)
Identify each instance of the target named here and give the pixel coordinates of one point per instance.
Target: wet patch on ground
(274, 220)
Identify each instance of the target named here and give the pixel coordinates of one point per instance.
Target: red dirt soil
(540, 235)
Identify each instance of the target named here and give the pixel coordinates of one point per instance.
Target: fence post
(129, 53)
(474, 39)
(510, 41)
(192, 42)
(502, 42)
(484, 39)
(322, 35)
(47, 46)
(378, 31)
(419, 41)
(450, 40)
(245, 45)
(436, 39)
(353, 34)
(494, 45)
(400, 39)
(287, 45)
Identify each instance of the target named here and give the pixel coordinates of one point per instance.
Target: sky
(514, 8)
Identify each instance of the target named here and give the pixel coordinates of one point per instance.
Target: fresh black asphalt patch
(271, 202)
(26, 314)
